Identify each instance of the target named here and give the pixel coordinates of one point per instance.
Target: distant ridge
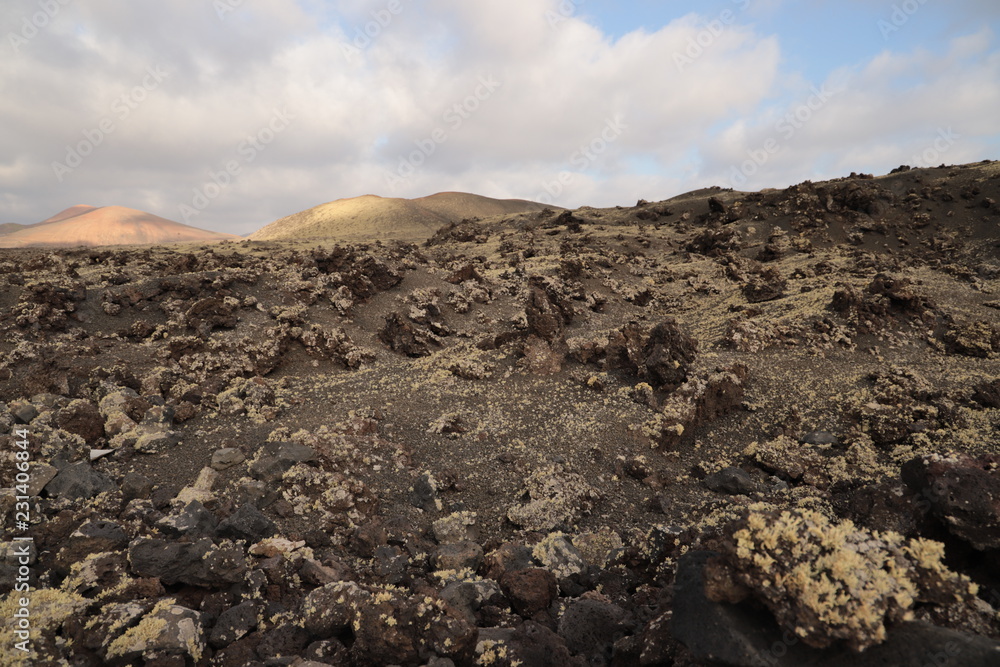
(105, 225)
(370, 217)
(71, 212)
(458, 205)
(10, 228)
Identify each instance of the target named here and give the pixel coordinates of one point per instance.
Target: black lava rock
(247, 523)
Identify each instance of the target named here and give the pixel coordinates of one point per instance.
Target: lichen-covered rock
(902, 406)
(529, 644)
(556, 495)
(973, 339)
(667, 355)
(456, 527)
(328, 611)
(792, 461)
(44, 306)
(830, 581)
(508, 557)
(167, 630)
(337, 345)
(883, 299)
(126, 401)
(542, 357)
(102, 575)
(226, 457)
(765, 285)
(402, 337)
(211, 313)
(282, 639)
(547, 313)
(153, 443)
(388, 626)
(42, 642)
(312, 491)
(111, 622)
(200, 490)
(92, 537)
(714, 242)
(117, 423)
(23, 412)
(599, 547)
(987, 394)
(458, 556)
(700, 399)
(558, 555)
(741, 636)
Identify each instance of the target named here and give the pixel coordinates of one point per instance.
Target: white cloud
(880, 115)
(358, 114)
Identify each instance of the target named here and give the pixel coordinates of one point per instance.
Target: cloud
(406, 98)
(877, 116)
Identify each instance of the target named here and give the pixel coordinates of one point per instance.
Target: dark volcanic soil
(748, 428)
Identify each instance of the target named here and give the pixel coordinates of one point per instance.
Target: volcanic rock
(199, 563)
(962, 492)
(248, 524)
(530, 590)
(77, 481)
(233, 624)
(733, 481)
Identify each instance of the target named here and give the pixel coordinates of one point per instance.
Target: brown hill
(370, 217)
(106, 225)
(458, 205)
(71, 212)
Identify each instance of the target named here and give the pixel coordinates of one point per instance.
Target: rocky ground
(727, 428)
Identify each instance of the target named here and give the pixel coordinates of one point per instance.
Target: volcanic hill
(370, 217)
(106, 225)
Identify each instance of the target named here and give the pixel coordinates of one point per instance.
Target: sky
(229, 114)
